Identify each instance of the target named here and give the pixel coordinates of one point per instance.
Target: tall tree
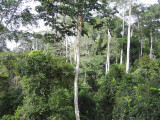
(123, 4)
(137, 12)
(129, 37)
(108, 53)
(79, 12)
(80, 22)
(151, 24)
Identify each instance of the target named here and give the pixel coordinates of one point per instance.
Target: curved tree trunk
(77, 69)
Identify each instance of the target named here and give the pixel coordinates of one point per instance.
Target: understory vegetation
(36, 86)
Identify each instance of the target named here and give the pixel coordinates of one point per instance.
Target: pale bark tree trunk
(108, 53)
(77, 69)
(151, 48)
(121, 59)
(129, 37)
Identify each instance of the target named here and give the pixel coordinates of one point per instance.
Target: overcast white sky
(12, 44)
(148, 1)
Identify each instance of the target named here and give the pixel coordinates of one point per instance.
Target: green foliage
(10, 101)
(157, 48)
(41, 64)
(104, 100)
(87, 105)
(68, 14)
(93, 69)
(36, 86)
(137, 94)
(61, 105)
(135, 49)
(43, 78)
(1, 28)
(3, 90)
(97, 91)
(10, 97)
(3, 82)
(144, 62)
(143, 66)
(9, 60)
(12, 17)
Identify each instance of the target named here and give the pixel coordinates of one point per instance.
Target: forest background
(91, 60)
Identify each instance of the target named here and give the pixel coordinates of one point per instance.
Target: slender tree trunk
(66, 50)
(131, 32)
(108, 53)
(141, 47)
(75, 57)
(151, 48)
(129, 37)
(88, 53)
(140, 40)
(116, 60)
(36, 44)
(141, 52)
(77, 69)
(85, 76)
(70, 53)
(121, 59)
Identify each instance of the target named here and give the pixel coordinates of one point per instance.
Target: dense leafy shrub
(47, 84)
(137, 95)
